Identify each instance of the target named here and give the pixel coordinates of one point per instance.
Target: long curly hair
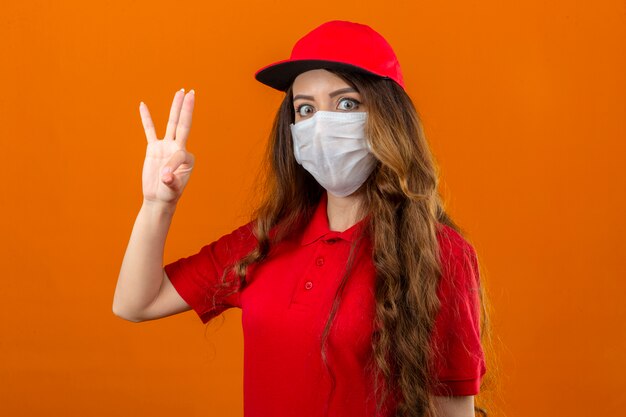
(405, 211)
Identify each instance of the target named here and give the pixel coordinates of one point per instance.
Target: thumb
(177, 159)
(171, 181)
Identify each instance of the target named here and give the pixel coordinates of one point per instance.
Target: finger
(172, 182)
(177, 104)
(176, 160)
(146, 120)
(184, 124)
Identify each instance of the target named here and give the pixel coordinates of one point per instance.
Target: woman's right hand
(168, 165)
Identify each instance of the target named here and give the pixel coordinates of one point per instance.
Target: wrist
(159, 207)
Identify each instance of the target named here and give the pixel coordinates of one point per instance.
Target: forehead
(317, 80)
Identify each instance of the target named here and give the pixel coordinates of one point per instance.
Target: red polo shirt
(286, 304)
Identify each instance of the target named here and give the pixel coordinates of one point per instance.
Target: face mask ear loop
(294, 144)
(367, 137)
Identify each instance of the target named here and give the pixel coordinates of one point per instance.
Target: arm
(462, 406)
(143, 291)
(459, 358)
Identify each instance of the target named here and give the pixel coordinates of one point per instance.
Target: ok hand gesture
(168, 165)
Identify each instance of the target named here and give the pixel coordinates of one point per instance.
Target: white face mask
(333, 148)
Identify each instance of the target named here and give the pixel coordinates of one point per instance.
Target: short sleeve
(196, 278)
(459, 358)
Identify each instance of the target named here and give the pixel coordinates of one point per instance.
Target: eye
(302, 110)
(348, 104)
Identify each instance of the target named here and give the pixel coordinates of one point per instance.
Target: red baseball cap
(336, 44)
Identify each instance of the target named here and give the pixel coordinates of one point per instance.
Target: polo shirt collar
(318, 227)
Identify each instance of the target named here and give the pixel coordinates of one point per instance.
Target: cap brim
(281, 74)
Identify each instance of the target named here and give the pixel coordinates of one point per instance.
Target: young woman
(359, 295)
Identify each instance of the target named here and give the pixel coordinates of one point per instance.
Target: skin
(143, 291)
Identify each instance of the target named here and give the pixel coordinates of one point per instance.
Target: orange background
(524, 104)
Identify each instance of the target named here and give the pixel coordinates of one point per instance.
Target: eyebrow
(333, 94)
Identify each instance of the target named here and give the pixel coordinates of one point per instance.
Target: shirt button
(331, 241)
(319, 261)
(308, 285)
